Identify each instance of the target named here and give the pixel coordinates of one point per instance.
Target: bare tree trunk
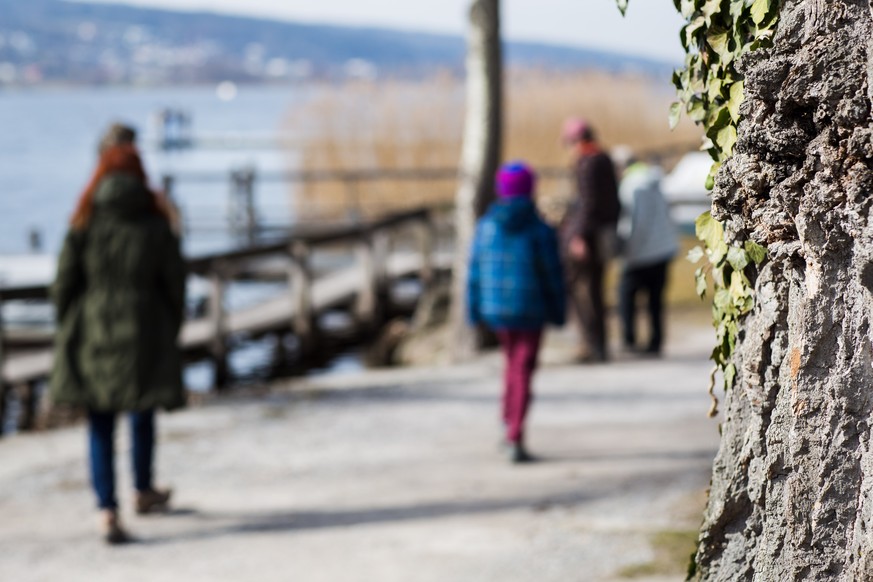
(792, 485)
(480, 156)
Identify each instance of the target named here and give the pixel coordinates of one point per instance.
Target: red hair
(118, 159)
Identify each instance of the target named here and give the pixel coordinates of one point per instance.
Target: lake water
(48, 151)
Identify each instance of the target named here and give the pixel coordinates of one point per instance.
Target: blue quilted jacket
(515, 280)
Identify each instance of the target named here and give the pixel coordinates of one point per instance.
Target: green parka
(119, 298)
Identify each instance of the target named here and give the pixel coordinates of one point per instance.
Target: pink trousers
(521, 349)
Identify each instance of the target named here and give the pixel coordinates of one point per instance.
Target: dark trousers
(101, 436)
(651, 281)
(520, 349)
(585, 288)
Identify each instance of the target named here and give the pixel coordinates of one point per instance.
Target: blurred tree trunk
(480, 155)
(792, 486)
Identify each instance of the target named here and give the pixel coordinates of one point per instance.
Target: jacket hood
(514, 214)
(122, 195)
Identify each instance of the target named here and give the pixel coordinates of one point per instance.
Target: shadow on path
(707, 455)
(290, 521)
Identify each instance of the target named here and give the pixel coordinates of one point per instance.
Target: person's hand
(579, 250)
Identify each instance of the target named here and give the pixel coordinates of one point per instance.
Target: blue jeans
(101, 436)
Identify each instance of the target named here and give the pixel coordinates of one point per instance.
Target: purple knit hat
(515, 179)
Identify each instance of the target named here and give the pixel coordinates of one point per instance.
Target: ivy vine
(710, 90)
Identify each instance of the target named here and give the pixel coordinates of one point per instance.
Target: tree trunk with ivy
(480, 155)
(792, 486)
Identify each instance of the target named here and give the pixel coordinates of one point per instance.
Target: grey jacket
(647, 232)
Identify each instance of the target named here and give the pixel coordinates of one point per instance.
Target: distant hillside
(59, 41)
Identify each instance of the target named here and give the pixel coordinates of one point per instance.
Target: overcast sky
(650, 29)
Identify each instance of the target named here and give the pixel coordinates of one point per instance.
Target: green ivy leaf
(739, 289)
(622, 6)
(709, 230)
(722, 299)
(717, 38)
(717, 355)
(737, 9)
(718, 253)
(713, 171)
(687, 8)
(709, 9)
(675, 114)
(697, 79)
(719, 118)
(731, 341)
(737, 258)
(688, 31)
(756, 252)
(718, 277)
(760, 9)
(715, 88)
(736, 99)
(696, 110)
(710, 182)
(695, 254)
(711, 91)
(730, 375)
(721, 330)
(726, 138)
(700, 283)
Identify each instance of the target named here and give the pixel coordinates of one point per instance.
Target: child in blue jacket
(516, 287)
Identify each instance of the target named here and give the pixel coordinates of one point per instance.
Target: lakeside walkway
(390, 475)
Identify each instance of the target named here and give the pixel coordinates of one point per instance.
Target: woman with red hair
(119, 297)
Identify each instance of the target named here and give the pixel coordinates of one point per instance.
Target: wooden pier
(376, 254)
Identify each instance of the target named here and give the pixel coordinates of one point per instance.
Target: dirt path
(390, 476)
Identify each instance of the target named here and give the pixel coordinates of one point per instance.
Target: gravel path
(388, 476)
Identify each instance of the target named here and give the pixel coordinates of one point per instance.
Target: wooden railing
(362, 288)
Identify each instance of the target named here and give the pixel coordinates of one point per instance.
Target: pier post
(217, 314)
(427, 244)
(366, 302)
(27, 397)
(4, 392)
(353, 199)
(300, 281)
(372, 250)
(382, 243)
(243, 215)
(168, 183)
(177, 221)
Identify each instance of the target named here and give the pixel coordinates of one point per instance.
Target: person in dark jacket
(588, 235)
(119, 297)
(516, 287)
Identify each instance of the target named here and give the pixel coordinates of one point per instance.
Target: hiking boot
(113, 533)
(152, 500)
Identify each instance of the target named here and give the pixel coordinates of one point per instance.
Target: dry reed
(417, 125)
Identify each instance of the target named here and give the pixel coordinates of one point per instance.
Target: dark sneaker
(152, 500)
(587, 358)
(518, 454)
(652, 352)
(113, 533)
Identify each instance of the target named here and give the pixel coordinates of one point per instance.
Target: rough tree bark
(480, 155)
(792, 487)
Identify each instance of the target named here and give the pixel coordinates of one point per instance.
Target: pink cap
(576, 129)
